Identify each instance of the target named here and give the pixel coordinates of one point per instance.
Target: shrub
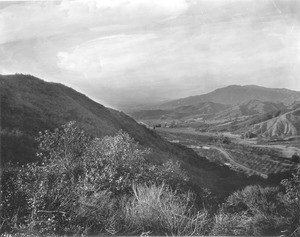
(13, 201)
(255, 199)
(79, 183)
(114, 163)
(261, 211)
(292, 201)
(230, 224)
(296, 158)
(226, 140)
(157, 209)
(242, 223)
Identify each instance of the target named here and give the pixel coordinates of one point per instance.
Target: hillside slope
(287, 124)
(30, 105)
(234, 94)
(253, 107)
(249, 109)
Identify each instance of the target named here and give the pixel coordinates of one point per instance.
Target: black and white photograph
(150, 118)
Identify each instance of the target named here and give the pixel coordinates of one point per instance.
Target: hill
(30, 105)
(234, 94)
(287, 124)
(251, 109)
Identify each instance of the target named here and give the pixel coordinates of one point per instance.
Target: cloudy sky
(120, 52)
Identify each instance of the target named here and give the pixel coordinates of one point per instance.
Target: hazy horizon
(120, 52)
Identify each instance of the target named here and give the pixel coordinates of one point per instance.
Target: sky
(129, 52)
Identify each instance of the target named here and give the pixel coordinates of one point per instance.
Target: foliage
(255, 199)
(157, 209)
(79, 182)
(296, 158)
(292, 201)
(253, 211)
(261, 211)
(85, 185)
(12, 199)
(230, 224)
(122, 163)
(226, 140)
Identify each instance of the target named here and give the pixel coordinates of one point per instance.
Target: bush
(292, 201)
(84, 185)
(261, 211)
(13, 201)
(80, 182)
(296, 158)
(157, 209)
(242, 223)
(230, 224)
(114, 163)
(226, 140)
(255, 199)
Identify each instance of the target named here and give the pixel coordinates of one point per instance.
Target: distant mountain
(233, 95)
(233, 108)
(30, 105)
(287, 124)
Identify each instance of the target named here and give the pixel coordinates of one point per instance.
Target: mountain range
(235, 94)
(232, 108)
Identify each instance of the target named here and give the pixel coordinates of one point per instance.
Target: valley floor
(249, 156)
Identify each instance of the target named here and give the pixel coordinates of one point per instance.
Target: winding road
(232, 161)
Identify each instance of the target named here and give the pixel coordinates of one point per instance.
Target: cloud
(105, 56)
(166, 7)
(85, 64)
(47, 18)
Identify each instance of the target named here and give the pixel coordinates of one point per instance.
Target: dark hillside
(30, 105)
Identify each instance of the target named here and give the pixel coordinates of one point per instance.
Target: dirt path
(232, 161)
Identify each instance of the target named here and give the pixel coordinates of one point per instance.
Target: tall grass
(156, 209)
(231, 224)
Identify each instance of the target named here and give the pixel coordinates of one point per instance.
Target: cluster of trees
(220, 139)
(85, 185)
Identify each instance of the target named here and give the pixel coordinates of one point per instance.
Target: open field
(242, 155)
